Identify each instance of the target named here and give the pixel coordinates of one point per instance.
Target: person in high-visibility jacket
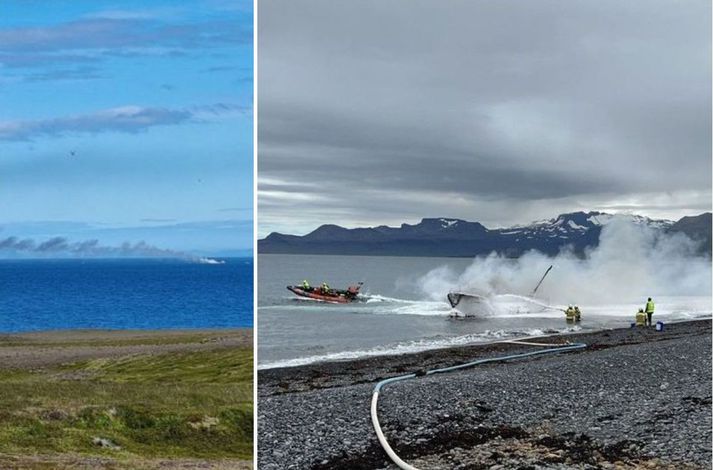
(640, 318)
(649, 311)
(569, 314)
(577, 314)
(305, 285)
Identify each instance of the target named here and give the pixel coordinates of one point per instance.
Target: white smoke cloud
(631, 262)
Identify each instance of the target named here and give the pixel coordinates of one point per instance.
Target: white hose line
(375, 396)
(382, 439)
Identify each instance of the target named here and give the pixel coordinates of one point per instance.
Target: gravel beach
(635, 398)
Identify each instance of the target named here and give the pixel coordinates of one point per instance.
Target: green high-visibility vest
(650, 307)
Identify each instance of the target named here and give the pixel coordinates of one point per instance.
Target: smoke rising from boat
(93, 249)
(631, 262)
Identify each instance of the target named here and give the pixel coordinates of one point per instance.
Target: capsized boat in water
(335, 296)
(469, 305)
(465, 304)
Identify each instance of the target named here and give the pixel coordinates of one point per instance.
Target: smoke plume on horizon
(91, 249)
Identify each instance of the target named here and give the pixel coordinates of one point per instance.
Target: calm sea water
(397, 315)
(136, 293)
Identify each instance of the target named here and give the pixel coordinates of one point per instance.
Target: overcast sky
(382, 112)
(127, 121)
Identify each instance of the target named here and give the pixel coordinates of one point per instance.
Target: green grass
(189, 404)
(224, 366)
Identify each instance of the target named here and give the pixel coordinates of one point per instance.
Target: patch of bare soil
(45, 349)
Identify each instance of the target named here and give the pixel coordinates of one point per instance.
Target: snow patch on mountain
(447, 223)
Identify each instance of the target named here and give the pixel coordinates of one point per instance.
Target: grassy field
(132, 405)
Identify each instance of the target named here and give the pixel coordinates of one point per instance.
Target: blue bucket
(659, 326)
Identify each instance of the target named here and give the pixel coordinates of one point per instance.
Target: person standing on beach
(649, 311)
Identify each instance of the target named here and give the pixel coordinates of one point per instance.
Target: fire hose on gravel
(553, 349)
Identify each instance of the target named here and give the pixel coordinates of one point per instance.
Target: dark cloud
(380, 112)
(129, 119)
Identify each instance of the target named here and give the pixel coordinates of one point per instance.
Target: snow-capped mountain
(577, 223)
(457, 237)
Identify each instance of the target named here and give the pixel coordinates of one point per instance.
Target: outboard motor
(353, 291)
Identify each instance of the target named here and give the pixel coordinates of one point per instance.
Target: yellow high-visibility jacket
(650, 307)
(640, 318)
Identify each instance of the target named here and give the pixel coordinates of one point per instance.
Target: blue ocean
(125, 294)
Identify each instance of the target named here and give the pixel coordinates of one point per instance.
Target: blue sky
(123, 122)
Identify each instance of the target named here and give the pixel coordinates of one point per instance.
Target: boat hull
(337, 298)
(469, 305)
(473, 305)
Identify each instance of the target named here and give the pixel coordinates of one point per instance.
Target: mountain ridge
(454, 237)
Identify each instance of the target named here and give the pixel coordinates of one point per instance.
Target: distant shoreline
(447, 237)
(370, 256)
